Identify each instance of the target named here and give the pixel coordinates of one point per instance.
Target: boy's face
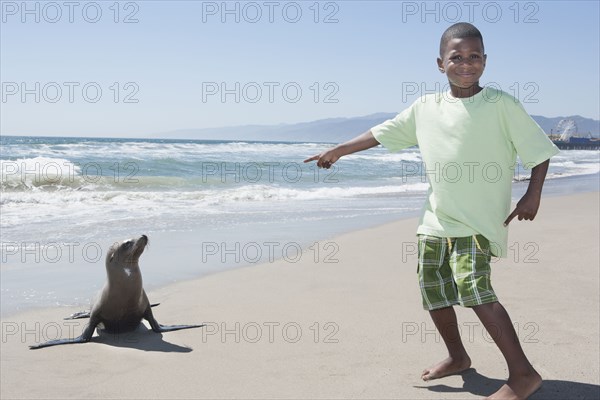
(463, 61)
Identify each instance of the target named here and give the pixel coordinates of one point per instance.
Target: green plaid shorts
(454, 271)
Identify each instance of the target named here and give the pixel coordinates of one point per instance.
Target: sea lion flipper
(148, 316)
(170, 328)
(156, 327)
(79, 315)
(78, 339)
(83, 338)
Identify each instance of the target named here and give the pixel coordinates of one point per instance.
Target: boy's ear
(484, 59)
(440, 64)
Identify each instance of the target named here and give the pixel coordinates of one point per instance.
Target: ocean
(219, 204)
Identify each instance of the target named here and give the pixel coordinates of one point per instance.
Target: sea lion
(122, 302)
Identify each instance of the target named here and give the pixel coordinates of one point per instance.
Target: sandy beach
(343, 322)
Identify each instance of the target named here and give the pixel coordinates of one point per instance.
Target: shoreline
(349, 329)
(191, 268)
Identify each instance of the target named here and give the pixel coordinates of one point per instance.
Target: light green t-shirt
(469, 148)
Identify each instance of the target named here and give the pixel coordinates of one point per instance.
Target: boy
(478, 132)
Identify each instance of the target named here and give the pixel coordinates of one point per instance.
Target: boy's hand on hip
(526, 208)
(325, 159)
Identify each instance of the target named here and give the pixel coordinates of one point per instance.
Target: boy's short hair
(460, 30)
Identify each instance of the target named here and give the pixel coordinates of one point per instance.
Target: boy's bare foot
(449, 366)
(519, 387)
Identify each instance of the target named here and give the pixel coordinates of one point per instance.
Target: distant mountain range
(335, 130)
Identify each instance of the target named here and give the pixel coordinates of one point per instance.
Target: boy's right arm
(327, 158)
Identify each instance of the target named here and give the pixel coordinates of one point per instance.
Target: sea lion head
(126, 252)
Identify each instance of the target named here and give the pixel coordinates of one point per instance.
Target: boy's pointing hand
(526, 208)
(325, 159)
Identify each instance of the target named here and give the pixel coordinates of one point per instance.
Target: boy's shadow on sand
(477, 384)
(142, 339)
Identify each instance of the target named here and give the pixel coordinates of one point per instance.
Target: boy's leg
(523, 379)
(439, 295)
(472, 272)
(458, 360)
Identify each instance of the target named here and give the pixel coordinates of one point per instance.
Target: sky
(136, 68)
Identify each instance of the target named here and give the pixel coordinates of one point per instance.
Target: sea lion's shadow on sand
(480, 385)
(141, 339)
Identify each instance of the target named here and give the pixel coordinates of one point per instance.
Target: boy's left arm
(528, 206)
